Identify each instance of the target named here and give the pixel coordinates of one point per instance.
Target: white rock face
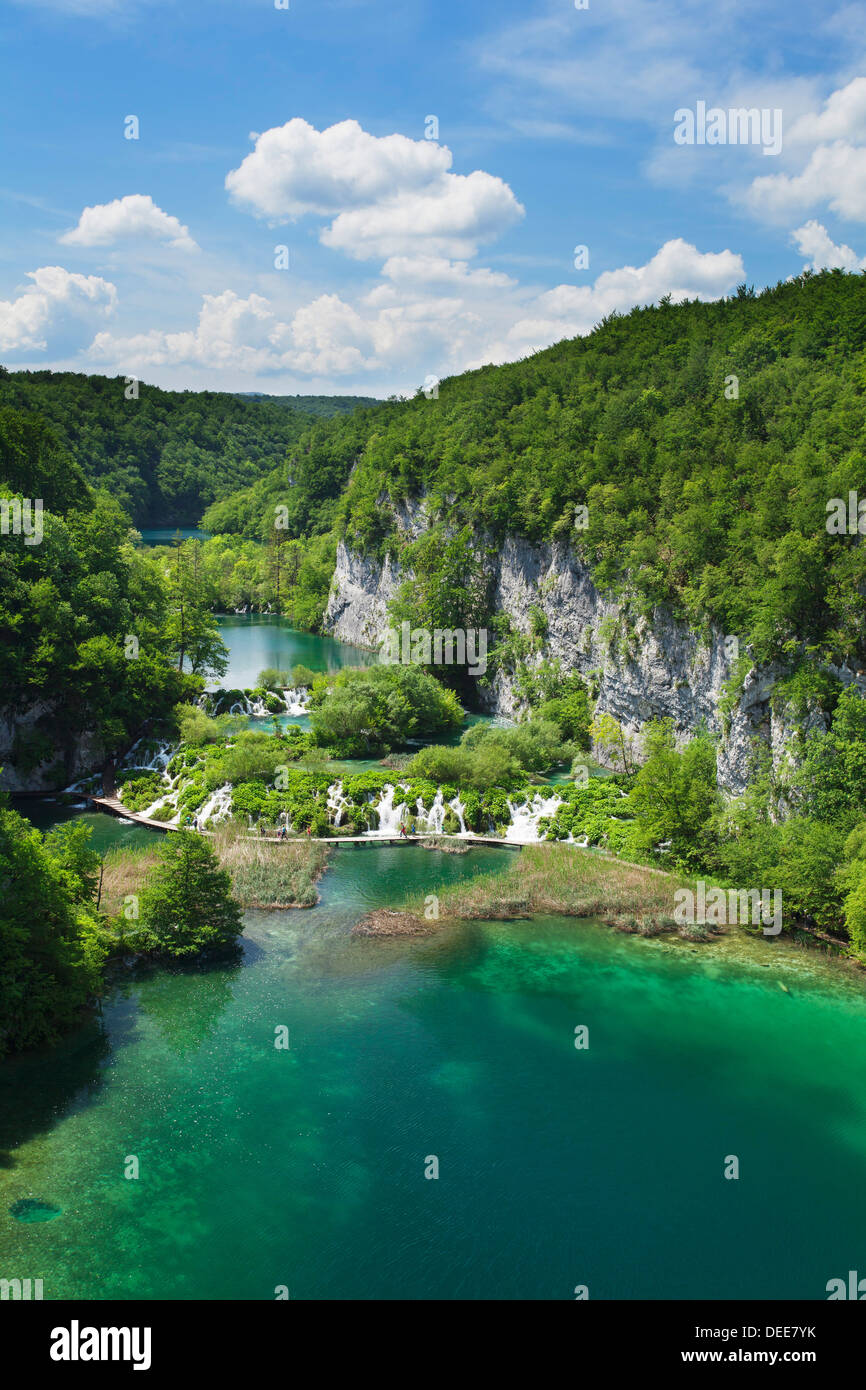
(360, 593)
(656, 668)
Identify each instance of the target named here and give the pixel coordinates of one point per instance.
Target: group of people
(282, 832)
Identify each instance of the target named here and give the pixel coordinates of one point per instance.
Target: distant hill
(167, 455)
(322, 406)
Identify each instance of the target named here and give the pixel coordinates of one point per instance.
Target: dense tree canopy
(84, 614)
(704, 440)
(165, 455)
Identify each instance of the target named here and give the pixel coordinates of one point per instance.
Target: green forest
(96, 635)
(703, 439)
(166, 455)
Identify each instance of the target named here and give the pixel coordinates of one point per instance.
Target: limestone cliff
(647, 670)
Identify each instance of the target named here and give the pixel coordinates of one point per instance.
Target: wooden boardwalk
(117, 808)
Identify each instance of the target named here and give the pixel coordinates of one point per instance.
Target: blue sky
(409, 257)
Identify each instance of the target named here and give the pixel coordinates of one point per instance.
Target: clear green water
(557, 1167)
(106, 832)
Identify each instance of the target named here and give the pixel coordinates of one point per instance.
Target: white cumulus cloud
(386, 194)
(813, 240)
(56, 298)
(825, 154)
(678, 269)
(835, 177)
(842, 118)
(135, 217)
(426, 314)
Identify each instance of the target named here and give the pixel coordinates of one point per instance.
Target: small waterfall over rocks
(390, 816)
(337, 803)
(524, 819)
(158, 760)
(217, 807)
(297, 700)
(431, 821)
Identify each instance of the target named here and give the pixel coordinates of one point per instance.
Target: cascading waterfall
(390, 815)
(524, 819)
(157, 761)
(456, 805)
(218, 806)
(297, 700)
(337, 802)
(431, 821)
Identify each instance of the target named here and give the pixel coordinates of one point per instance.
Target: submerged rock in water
(32, 1209)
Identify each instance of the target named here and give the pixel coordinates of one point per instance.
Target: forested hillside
(308, 484)
(165, 455)
(704, 440)
(95, 639)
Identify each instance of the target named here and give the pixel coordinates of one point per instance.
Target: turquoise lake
(258, 640)
(557, 1167)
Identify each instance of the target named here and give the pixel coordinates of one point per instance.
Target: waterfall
(218, 806)
(431, 821)
(458, 808)
(390, 815)
(158, 760)
(524, 819)
(337, 802)
(168, 798)
(297, 700)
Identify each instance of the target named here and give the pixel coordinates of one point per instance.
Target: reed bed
(551, 878)
(270, 873)
(125, 873)
(265, 873)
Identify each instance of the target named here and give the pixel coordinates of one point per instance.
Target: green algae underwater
(559, 1166)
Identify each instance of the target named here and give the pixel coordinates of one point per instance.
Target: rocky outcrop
(32, 756)
(361, 590)
(649, 669)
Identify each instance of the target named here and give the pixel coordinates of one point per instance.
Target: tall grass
(265, 873)
(551, 878)
(270, 873)
(125, 873)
